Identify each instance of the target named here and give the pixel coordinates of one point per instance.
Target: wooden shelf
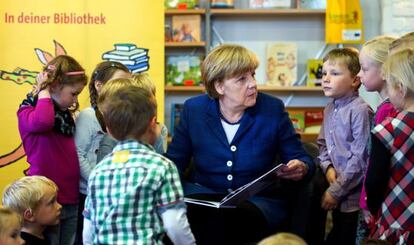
(262, 88)
(267, 12)
(185, 44)
(184, 11)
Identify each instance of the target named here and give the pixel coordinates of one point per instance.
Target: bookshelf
(244, 26)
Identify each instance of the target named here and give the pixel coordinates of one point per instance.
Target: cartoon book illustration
(269, 3)
(244, 192)
(281, 63)
(183, 70)
(298, 120)
(176, 109)
(314, 72)
(313, 121)
(222, 3)
(186, 28)
(136, 59)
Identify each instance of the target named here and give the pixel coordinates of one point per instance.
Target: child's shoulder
(33, 240)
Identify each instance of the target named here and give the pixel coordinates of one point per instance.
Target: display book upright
(281, 63)
(244, 192)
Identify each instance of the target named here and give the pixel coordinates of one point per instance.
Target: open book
(244, 192)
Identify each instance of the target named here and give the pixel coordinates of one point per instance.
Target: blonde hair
(405, 41)
(127, 111)
(6, 216)
(349, 56)
(143, 80)
(226, 61)
(399, 69)
(283, 238)
(26, 193)
(377, 48)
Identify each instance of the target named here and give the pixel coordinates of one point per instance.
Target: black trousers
(344, 228)
(79, 229)
(242, 225)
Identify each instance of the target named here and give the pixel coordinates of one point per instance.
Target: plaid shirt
(397, 213)
(126, 191)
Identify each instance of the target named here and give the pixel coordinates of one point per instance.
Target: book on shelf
(186, 28)
(312, 4)
(134, 58)
(183, 70)
(281, 63)
(181, 4)
(298, 120)
(313, 121)
(257, 4)
(314, 72)
(176, 109)
(244, 192)
(222, 3)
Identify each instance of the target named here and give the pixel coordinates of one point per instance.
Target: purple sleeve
(39, 118)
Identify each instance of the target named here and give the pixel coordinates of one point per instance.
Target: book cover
(269, 3)
(125, 46)
(186, 28)
(281, 63)
(298, 120)
(314, 72)
(183, 70)
(312, 4)
(244, 192)
(176, 109)
(182, 4)
(222, 3)
(313, 121)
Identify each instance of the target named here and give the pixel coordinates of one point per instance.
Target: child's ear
(28, 215)
(98, 85)
(356, 82)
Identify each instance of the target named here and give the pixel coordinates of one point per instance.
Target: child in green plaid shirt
(134, 194)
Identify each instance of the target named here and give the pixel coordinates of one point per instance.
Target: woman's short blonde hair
(377, 48)
(399, 69)
(7, 216)
(27, 192)
(283, 238)
(224, 62)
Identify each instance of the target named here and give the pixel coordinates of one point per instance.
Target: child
(405, 41)
(390, 173)
(91, 129)
(373, 55)
(46, 127)
(283, 238)
(142, 187)
(10, 226)
(141, 80)
(342, 142)
(35, 199)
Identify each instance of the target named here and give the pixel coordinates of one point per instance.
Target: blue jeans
(65, 232)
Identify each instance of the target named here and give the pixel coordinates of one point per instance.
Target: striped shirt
(126, 192)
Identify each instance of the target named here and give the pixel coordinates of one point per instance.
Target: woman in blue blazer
(226, 139)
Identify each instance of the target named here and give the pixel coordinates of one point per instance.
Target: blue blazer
(265, 132)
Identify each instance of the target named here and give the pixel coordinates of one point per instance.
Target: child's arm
(324, 158)
(106, 146)
(378, 175)
(87, 232)
(176, 224)
(352, 175)
(161, 142)
(39, 118)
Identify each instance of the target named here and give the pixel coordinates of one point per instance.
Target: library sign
(34, 32)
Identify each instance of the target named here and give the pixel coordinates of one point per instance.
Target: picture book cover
(281, 64)
(312, 4)
(181, 4)
(183, 70)
(186, 28)
(298, 120)
(222, 3)
(269, 4)
(313, 121)
(176, 109)
(244, 192)
(314, 72)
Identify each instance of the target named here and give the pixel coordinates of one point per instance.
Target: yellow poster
(33, 32)
(343, 22)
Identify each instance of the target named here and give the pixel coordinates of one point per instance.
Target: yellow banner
(33, 32)
(343, 22)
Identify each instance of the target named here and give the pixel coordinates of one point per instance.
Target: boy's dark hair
(128, 111)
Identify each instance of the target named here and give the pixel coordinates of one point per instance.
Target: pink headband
(71, 73)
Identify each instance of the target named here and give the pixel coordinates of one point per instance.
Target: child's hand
(40, 79)
(328, 201)
(367, 216)
(330, 175)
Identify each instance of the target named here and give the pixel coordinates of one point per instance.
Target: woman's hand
(328, 201)
(295, 170)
